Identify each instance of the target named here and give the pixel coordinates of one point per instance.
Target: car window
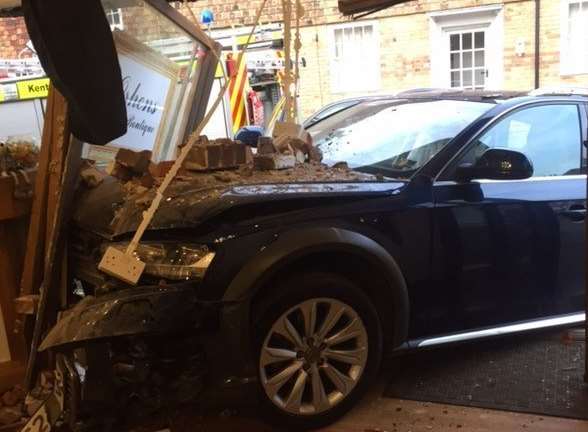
(549, 135)
(329, 111)
(393, 138)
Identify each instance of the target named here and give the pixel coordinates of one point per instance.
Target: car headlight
(172, 260)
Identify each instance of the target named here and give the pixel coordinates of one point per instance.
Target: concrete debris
(213, 165)
(159, 170)
(129, 164)
(147, 180)
(217, 154)
(341, 165)
(265, 145)
(119, 171)
(11, 406)
(137, 162)
(10, 415)
(91, 175)
(9, 399)
(274, 161)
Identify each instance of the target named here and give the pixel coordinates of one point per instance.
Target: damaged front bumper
(134, 311)
(146, 337)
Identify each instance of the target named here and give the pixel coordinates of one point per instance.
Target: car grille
(71, 389)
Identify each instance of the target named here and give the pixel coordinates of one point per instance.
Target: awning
(353, 7)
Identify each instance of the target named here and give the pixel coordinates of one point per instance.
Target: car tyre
(318, 347)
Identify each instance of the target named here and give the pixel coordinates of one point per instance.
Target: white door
(468, 68)
(467, 48)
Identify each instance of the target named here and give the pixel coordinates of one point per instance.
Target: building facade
(475, 44)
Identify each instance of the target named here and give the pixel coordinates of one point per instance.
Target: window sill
(568, 73)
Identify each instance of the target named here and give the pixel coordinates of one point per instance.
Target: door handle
(576, 213)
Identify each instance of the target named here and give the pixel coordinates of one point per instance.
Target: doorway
(467, 48)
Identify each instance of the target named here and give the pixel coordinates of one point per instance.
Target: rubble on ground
(16, 405)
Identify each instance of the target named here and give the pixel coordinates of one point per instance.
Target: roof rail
(560, 91)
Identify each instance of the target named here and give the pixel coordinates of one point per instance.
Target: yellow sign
(1, 94)
(33, 89)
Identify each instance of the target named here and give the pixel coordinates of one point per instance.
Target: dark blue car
(473, 228)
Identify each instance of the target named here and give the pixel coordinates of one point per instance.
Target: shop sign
(33, 89)
(149, 80)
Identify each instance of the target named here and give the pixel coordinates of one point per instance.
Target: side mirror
(497, 164)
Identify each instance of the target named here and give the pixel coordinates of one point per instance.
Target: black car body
(439, 254)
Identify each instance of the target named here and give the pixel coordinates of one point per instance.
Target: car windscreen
(329, 111)
(395, 137)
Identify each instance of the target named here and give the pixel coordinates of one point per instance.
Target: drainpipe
(537, 41)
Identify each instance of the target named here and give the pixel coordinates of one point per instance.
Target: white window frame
(566, 67)
(363, 85)
(112, 13)
(490, 18)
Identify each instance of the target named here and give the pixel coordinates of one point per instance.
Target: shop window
(574, 37)
(114, 17)
(355, 64)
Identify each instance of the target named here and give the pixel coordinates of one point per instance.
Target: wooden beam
(53, 146)
(11, 374)
(32, 270)
(12, 237)
(48, 302)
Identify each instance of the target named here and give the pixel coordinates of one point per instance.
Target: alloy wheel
(313, 356)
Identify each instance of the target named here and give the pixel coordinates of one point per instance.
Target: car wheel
(319, 344)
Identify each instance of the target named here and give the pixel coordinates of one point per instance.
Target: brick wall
(550, 48)
(404, 36)
(13, 37)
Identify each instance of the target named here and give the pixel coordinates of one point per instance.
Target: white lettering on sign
(146, 91)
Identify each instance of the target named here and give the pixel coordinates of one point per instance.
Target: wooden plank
(12, 240)
(31, 277)
(11, 374)
(57, 150)
(47, 310)
(55, 131)
(10, 207)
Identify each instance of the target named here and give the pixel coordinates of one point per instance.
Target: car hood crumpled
(111, 209)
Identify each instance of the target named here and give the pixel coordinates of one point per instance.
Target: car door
(507, 251)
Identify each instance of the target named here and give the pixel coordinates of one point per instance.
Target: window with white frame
(355, 62)
(574, 34)
(114, 17)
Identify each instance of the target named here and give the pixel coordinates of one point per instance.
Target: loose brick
(138, 162)
(274, 161)
(265, 145)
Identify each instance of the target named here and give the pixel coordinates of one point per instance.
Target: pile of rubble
(224, 162)
(17, 154)
(17, 406)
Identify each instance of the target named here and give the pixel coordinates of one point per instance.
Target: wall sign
(149, 81)
(33, 89)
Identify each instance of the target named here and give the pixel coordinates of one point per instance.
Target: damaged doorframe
(198, 97)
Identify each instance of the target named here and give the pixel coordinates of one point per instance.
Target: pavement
(378, 414)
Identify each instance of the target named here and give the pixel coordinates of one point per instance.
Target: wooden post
(13, 227)
(49, 293)
(55, 132)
